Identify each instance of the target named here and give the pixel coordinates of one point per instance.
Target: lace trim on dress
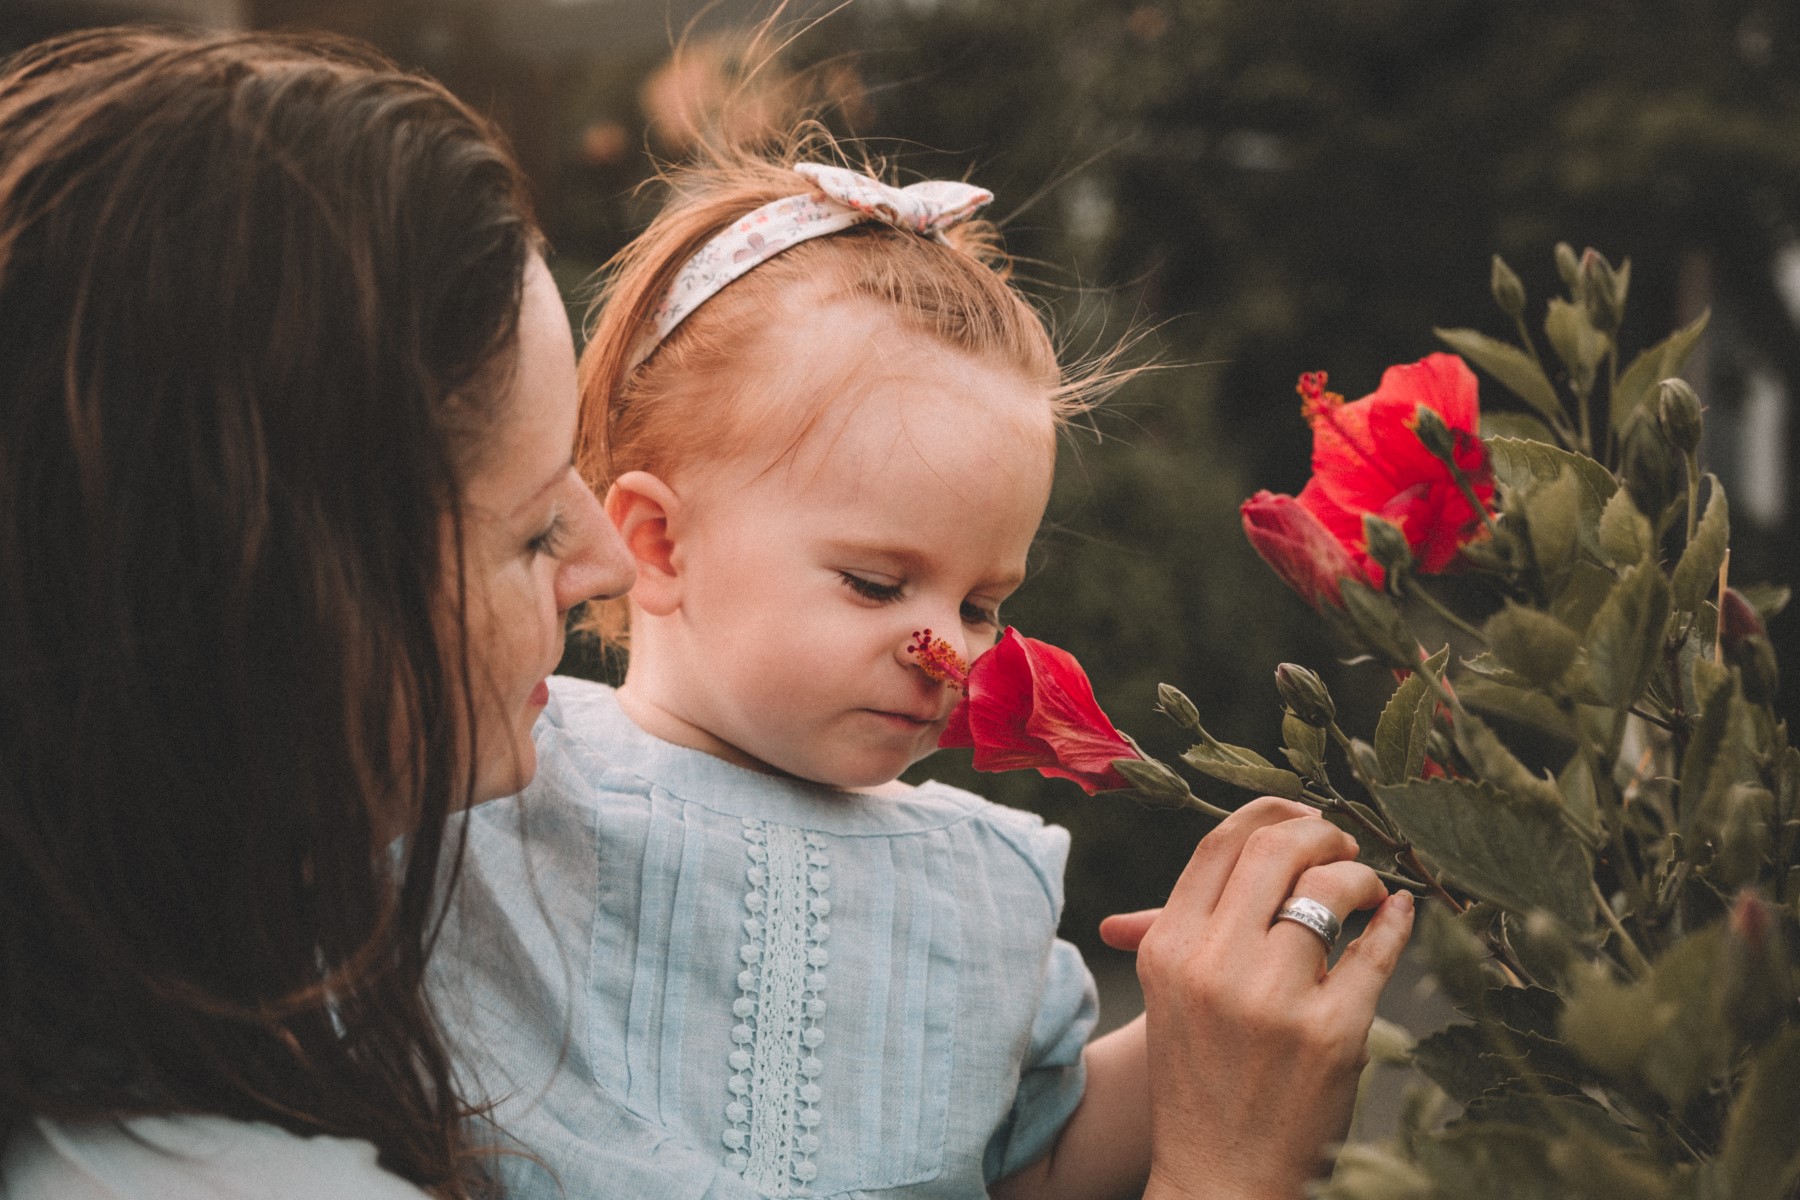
(773, 1114)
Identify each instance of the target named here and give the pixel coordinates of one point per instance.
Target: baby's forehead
(828, 371)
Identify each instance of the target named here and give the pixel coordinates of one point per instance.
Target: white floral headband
(844, 198)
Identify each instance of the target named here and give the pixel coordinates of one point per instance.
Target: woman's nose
(596, 565)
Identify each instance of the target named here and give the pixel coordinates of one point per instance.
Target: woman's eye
(975, 614)
(869, 589)
(549, 542)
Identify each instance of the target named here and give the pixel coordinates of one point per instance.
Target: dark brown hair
(257, 297)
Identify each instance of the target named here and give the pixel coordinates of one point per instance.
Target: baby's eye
(549, 541)
(977, 614)
(869, 589)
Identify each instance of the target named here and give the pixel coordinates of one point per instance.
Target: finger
(1196, 893)
(1342, 887)
(1123, 931)
(1271, 864)
(1367, 963)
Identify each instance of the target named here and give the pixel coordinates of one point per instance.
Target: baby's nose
(943, 658)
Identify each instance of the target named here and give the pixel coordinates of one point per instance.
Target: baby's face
(910, 505)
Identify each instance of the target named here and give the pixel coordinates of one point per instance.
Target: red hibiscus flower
(1295, 542)
(1028, 704)
(1367, 458)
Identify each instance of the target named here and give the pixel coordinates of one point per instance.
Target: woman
(287, 527)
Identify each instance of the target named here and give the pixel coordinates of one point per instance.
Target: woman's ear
(648, 515)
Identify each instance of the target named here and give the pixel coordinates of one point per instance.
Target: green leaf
(1768, 599)
(1707, 742)
(1760, 1159)
(1244, 768)
(1379, 625)
(1459, 1059)
(1624, 642)
(1523, 466)
(1576, 342)
(1514, 852)
(1533, 643)
(1405, 724)
(1525, 705)
(1580, 797)
(1458, 959)
(1491, 1161)
(1582, 594)
(1652, 367)
(1625, 536)
(1666, 1031)
(1528, 1010)
(1364, 1171)
(1519, 425)
(1555, 522)
(1698, 569)
(1304, 746)
(1490, 760)
(1510, 365)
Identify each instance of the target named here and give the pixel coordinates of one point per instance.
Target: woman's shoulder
(190, 1158)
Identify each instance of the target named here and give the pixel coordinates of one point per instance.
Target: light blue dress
(680, 978)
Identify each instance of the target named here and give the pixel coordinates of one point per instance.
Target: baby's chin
(871, 780)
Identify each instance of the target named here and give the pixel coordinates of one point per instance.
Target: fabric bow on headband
(844, 198)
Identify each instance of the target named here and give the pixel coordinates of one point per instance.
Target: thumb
(1123, 931)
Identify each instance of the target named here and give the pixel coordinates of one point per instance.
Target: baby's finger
(1123, 931)
(1197, 892)
(1367, 963)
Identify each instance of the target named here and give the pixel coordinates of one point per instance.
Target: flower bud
(1509, 293)
(1304, 695)
(1179, 709)
(1603, 290)
(1678, 414)
(1568, 266)
(1738, 618)
(1387, 547)
(1435, 435)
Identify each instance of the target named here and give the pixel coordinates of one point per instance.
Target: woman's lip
(540, 695)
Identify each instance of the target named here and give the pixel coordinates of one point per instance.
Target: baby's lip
(929, 718)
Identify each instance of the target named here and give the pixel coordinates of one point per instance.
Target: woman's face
(535, 544)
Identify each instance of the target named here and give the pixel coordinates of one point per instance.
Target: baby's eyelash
(550, 540)
(868, 589)
(974, 614)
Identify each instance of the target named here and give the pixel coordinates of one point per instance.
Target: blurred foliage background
(1258, 188)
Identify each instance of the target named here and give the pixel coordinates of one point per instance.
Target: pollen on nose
(938, 659)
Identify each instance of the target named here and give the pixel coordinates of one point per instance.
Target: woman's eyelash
(868, 589)
(550, 540)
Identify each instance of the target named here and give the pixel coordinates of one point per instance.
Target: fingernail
(1403, 901)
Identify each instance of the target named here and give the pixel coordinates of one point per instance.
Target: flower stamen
(936, 658)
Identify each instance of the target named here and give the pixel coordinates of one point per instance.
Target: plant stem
(1417, 589)
(1693, 495)
(1634, 958)
(1559, 424)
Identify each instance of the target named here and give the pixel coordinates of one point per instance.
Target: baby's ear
(647, 514)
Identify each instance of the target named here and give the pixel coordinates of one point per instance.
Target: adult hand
(1255, 1046)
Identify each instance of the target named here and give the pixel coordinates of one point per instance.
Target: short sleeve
(1052, 1076)
(190, 1158)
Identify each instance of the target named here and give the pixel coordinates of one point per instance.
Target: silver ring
(1313, 915)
